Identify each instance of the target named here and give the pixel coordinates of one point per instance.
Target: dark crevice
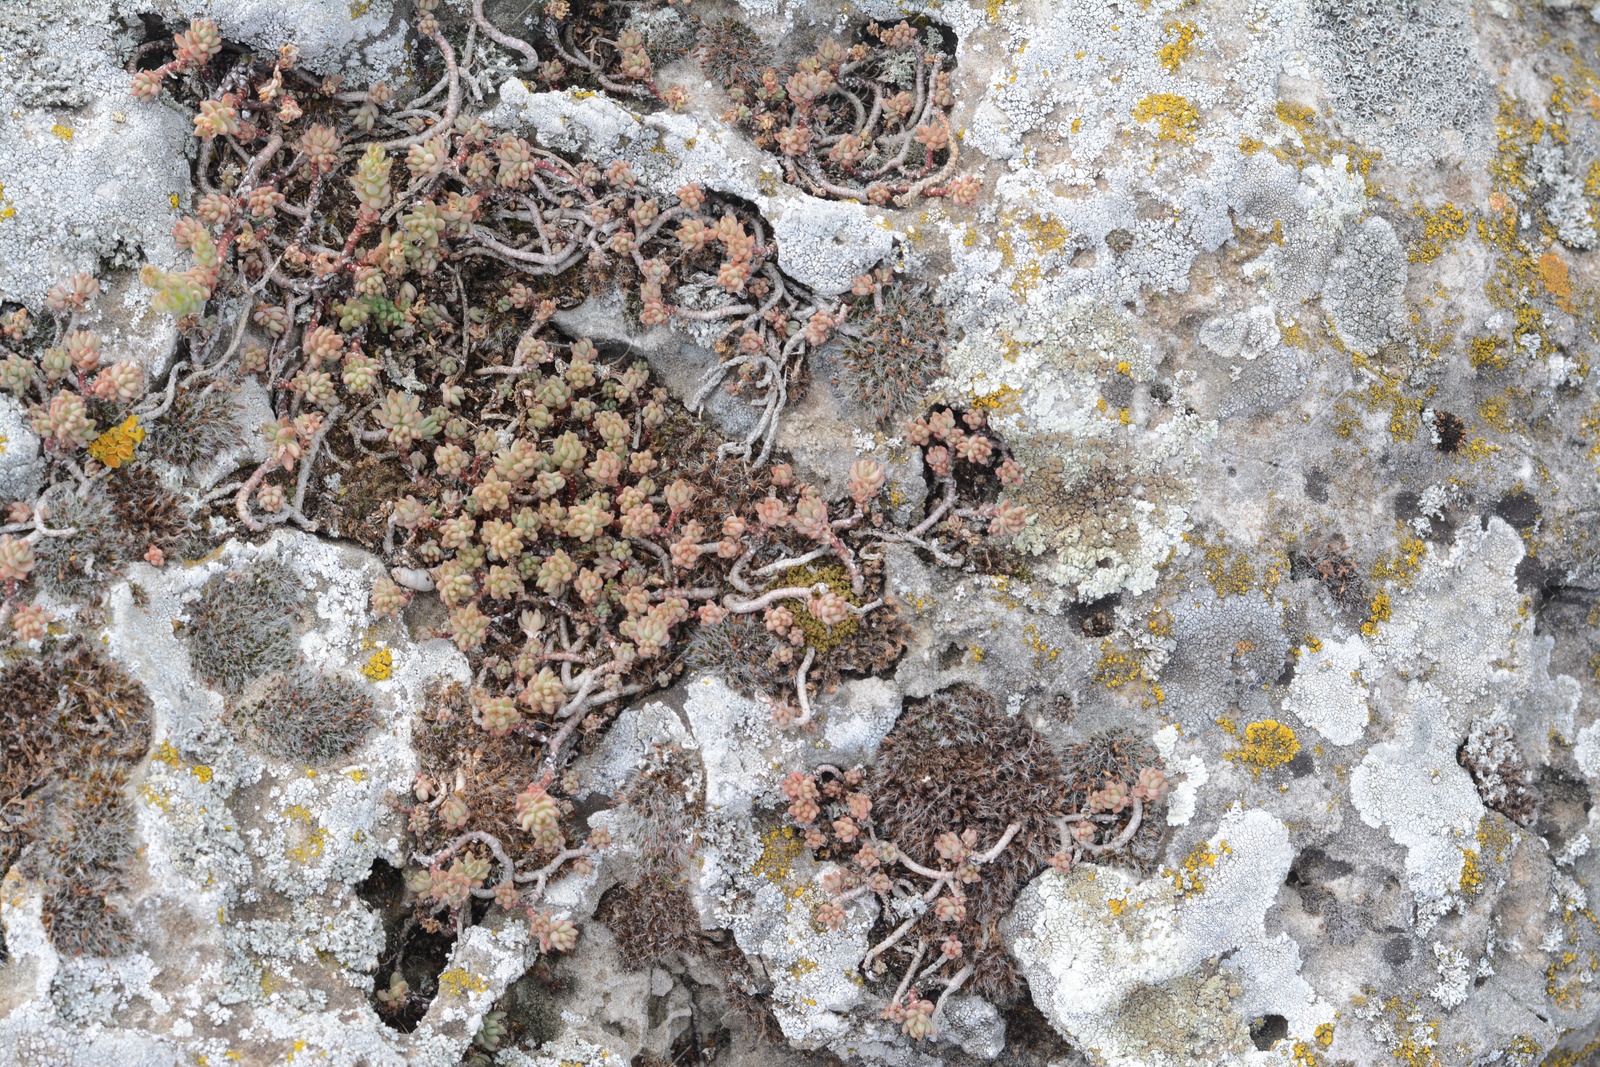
(1268, 1030)
(415, 954)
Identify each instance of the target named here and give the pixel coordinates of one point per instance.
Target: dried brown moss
(953, 763)
(309, 717)
(893, 353)
(72, 726)
(148, 513)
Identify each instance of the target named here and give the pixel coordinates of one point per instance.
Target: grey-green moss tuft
(242, 626)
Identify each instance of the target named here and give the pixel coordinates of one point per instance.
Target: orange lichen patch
(1176, 119)
(1557, 282)
(1267, 743)
(115, 447)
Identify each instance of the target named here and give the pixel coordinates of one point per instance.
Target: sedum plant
(391, 270)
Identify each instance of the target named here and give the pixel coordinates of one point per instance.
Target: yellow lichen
(115, 447)
(1307, 1056)
(1577, 1057)
(1487, 352)
(1046, 236)
(155, 797)
(1043, 651)
(1411, 1040)
(1441, 228)
(779, 847)
(1182, 45)
(1005, 399)
(1267, 743)
(1401, 566)
(1309, 144)
(1175, 118)
(1494, 838)
(1380, 612)
(1471, 873)
(380, 666)
(1229, 570)
(1117, 667)
(1494, 411)
(802, 967)
(1187, 878)
(310, 848)
(459, 982)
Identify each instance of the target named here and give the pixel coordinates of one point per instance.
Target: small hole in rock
(1268, 1031)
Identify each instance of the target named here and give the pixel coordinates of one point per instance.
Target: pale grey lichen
(1105, 515)
(1365, 293)
(1414, 789)
(1099, 944)
(333, 36)
(1401, 71)
(1326, 692)
(87, 175)
(21, 466)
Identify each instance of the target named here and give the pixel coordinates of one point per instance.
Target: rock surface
(1288, 311)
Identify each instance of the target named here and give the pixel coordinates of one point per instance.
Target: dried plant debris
(956, 763)
(652, 915)
(150, 515)
(1112, 756)
(865, 121)
(652, 920)
(1329, 562)
(972, 802)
